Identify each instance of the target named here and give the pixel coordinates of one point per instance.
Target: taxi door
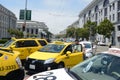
(26, 47)
(74, 57)
(6, 64)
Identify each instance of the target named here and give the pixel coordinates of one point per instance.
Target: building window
(113, 6)
(118, 28)
(110, 17)
(106, 2)
(113, 17)
(118, 5)
(31, 31)
(96, 8)
(27, 30)
(36, 31)
(89, 13)
(101, 12)
(96, 16)
(110, 7)
(105, 12)
(118, 16)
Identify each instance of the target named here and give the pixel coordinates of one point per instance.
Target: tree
(71, 32)
(15, 32)
(83, 33)
(105, 28)
(91, 26)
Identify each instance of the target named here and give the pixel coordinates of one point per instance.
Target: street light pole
(24, 26)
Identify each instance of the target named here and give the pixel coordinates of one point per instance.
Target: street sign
(28, 15)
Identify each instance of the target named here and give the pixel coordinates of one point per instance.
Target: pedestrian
(76, 42)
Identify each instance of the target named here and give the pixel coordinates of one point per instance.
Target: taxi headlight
(19, 62)
(50, 60)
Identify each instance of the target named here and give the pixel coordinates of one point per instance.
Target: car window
(77, 48)
(54, 48)
(42, 42)
(87, 45)
(9, 42)
(68, 48)
(26, 43)
(103, 67)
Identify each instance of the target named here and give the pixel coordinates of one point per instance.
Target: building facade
(33, 27)
(7, 21)
(97, 11)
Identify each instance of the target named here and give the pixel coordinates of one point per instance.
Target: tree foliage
(91, 26)
(71, 32)
(15, 32)
(105, 28)
(83, 33)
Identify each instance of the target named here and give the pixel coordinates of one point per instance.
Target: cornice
(90, 6)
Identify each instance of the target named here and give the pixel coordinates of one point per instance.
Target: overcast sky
(56, 14)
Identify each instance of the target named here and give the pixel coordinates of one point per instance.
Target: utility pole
(24, 25)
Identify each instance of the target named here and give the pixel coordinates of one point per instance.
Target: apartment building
(97, 11)
(7, 21)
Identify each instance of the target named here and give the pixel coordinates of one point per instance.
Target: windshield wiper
(72, 74)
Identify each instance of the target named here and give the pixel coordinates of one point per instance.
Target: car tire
(16, 75)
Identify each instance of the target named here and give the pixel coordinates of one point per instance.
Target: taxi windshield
(99, 67)
(54, 48)
(8, 43)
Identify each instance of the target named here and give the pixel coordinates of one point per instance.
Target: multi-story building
(33, 27)
(97, 11)
(7, 21)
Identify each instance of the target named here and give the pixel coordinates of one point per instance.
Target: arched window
(96, 8)
(89, 13)
(105, 3)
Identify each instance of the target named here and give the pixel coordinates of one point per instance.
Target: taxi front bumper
(35, 66)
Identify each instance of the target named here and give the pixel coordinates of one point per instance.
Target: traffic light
(23, 27)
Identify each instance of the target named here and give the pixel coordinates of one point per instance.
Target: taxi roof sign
(59, 42)
(114, 51)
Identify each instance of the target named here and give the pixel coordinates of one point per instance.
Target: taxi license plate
(32, 66)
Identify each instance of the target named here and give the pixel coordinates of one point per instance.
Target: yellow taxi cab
(10, 65)
(54, 55)
(103, 66)
(25, 46)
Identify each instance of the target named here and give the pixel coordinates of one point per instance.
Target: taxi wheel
(2, 78)
(16, 75)
(61, 65)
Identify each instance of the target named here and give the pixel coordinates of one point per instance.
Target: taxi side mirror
(68, 53)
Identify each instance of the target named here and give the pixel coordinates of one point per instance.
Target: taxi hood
(58, 74)
(43, 55)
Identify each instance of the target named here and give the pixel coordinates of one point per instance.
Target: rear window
(42, 42)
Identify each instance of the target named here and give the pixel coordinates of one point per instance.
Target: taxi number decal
(46, 76)
(7, 67)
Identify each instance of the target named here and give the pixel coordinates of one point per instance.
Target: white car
(102, 44)
(88, 47)
(103, 66)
